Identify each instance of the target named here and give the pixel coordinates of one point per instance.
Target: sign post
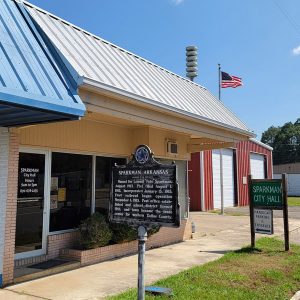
(251, 213)
(144, 194)
(142, 237)
(266, 195)
(285, 214)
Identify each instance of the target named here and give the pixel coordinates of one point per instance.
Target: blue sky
(252, 39)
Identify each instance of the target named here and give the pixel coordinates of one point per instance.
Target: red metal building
(223, 173)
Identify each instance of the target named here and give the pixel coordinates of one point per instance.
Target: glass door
(31, 210)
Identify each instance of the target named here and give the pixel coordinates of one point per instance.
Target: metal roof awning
(107, 67)
(34, 86)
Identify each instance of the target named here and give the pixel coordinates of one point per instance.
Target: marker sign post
(144, 194)
(266, 195)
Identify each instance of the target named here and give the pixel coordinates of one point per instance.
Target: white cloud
(178, 2)
(296, 51)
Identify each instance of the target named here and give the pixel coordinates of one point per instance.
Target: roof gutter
(137, 99)
(261, 144)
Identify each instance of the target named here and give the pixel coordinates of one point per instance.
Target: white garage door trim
(257, 166)
(228, 177)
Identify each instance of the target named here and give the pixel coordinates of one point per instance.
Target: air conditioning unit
(172, 148)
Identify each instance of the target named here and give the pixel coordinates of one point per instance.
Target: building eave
(90, 84)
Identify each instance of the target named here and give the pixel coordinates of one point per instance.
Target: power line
(288, 17)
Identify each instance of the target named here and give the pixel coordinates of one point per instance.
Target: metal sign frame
(284, 208)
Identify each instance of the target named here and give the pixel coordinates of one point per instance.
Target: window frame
(93, 193)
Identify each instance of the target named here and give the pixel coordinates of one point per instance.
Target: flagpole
(219, 65)
(221, 154)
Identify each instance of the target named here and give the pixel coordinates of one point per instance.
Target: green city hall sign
(267, 193)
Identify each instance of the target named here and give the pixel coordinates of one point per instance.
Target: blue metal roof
(34, 86)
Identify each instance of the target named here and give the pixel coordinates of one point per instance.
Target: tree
(268, 136)
(285, 141)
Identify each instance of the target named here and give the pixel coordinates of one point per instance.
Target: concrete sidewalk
(215, 236)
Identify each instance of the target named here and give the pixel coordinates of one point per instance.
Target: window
(103, 178)
(71, 190)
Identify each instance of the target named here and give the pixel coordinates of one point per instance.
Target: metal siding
(208, 182)
(216, 175)
(29, 77)
(243, 163)
(293, 181)
(105, 63)
(243, 150)
(228, 177)
(257, 166)
(194, 182)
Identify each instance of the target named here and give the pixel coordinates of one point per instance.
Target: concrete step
(32, 272)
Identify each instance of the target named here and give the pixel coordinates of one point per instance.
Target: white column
(4, 150)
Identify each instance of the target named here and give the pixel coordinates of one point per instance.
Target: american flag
(230, 81)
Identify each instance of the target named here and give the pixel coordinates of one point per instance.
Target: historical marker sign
(145, 192)
(263, 221)
(267, 193)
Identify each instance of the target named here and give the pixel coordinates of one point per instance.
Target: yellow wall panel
(102, 138)
(86, 136)
(158, 140)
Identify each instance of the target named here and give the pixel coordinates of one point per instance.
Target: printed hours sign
(145, 192)
(28, 182)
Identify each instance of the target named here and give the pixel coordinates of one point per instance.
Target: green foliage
(268, 137)
(124, 233)
(153, 230)
(285, 141)
(95, 232)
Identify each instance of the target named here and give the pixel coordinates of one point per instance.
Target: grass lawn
(267, 272)
(294, 201)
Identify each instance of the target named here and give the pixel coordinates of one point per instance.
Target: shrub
(153, 230)
(95, 232)
(123, 233)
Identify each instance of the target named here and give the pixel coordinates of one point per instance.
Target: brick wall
(4, 140)
(60, 241)
(165, 236)
(11, 208)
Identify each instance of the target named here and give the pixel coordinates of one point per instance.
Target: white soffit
(111, 66)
